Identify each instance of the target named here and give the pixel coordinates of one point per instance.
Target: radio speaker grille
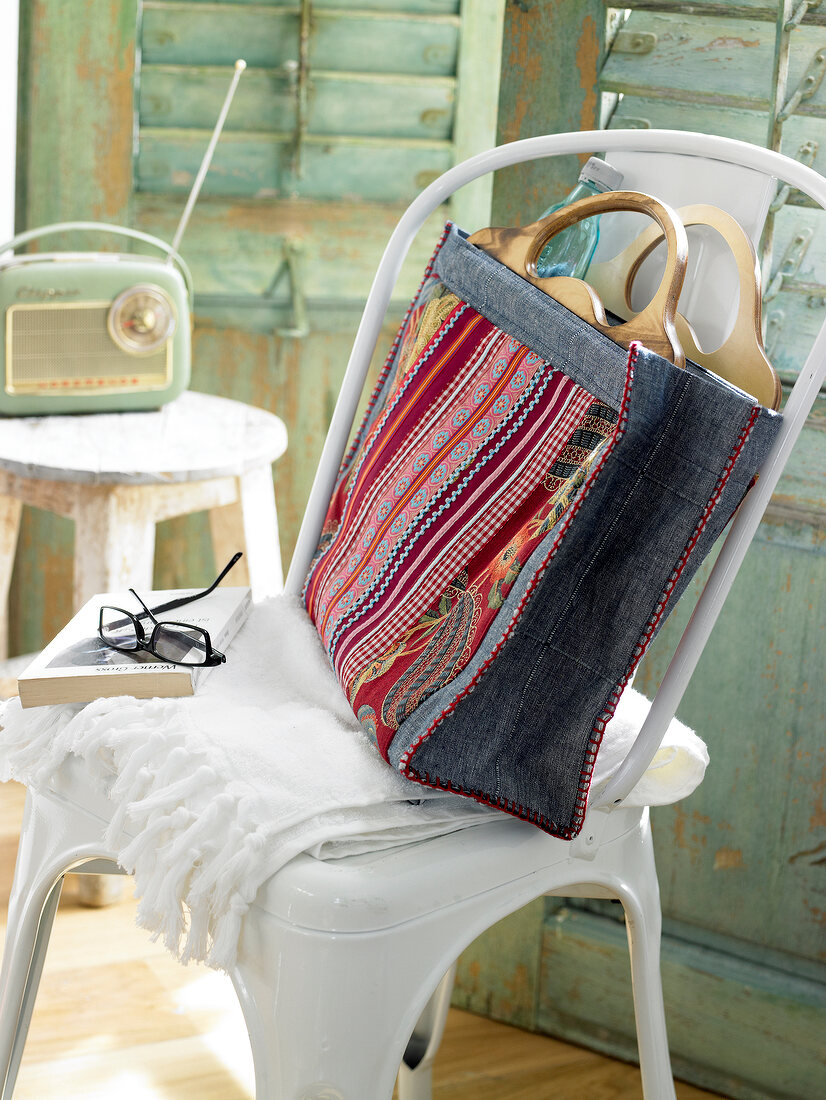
(60, 348)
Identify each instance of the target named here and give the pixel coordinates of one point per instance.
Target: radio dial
(141, 319)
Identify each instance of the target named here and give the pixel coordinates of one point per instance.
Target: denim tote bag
(522, 506)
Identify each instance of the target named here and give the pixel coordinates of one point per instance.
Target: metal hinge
(297, 73)
(807, 87)
(792, 259)
(805, 155)
(774, 326)
(302, 86)
(298, 325)
(262, 307)
(800, 13)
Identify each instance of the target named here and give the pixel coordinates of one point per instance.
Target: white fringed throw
(211, 795)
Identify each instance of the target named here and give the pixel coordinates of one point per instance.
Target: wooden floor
(116, 1016)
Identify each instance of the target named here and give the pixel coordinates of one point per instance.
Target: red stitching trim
(522, 812)
(428, 271)
(648, 631)
(565, 833)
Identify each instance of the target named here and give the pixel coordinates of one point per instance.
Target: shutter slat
(418, 7)
(368, 113)
(733, 9)
(267, 37)
(260, 165)
(339, 103)
(721, 61)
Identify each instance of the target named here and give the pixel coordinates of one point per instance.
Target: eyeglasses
(177, 643)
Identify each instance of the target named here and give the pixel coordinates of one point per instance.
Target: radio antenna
(240, 65)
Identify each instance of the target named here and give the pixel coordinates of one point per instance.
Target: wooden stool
(118, 474)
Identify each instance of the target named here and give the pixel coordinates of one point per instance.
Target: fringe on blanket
(182, 838)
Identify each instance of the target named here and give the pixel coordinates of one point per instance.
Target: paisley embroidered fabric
(475, 454)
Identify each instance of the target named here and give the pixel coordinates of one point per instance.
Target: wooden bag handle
(519, 249)
(741, 359)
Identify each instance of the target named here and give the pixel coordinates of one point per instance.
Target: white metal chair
(340, 963)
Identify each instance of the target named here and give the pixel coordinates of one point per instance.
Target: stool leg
(114, 551)
(252, 522)
(114, 543)
(9, 526)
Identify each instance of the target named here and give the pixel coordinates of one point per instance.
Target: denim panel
(523, 732)
(752, 457)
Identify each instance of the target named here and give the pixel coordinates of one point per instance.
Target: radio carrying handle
(102, 227)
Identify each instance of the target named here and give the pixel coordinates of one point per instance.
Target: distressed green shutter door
(346, 111)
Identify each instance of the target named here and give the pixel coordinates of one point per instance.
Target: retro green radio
(93, 331)
(98, 331)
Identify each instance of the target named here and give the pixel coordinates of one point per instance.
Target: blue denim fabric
(522, 737)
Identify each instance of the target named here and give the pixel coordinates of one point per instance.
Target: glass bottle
(570, 252)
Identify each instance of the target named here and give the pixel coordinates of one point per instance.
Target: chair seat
(380, 890)
(367, 892)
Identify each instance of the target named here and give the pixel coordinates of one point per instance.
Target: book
(77, 666)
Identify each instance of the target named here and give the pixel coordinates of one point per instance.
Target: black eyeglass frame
(213, 656)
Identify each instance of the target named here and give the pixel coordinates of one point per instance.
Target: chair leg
(641, 902)
(43, 858)
(415, 1081)
(23, 959)
(329, 1016)
(32, 906)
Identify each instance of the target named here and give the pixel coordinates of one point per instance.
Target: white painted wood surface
(117, 475)
(197, 436)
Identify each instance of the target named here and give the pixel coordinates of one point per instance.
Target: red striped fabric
(446, 496)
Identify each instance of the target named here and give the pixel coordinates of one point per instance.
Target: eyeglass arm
(181, 600)
(143, 605)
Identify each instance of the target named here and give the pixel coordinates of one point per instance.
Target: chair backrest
(710, 291)
(692, 167)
